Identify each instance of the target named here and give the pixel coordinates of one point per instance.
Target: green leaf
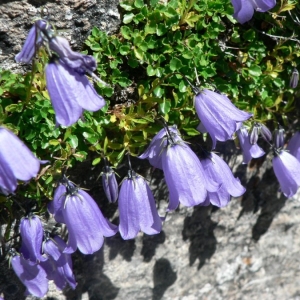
(128, 18)
(139, 3)
(73, 140)
(124, 50)
(255, 71)
(165, 107)
(126, 32)
(175, 64)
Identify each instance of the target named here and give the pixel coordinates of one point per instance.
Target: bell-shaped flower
(74, 60)
(158, 144)
(184, 175)
(249, 150)
(17, 164)
(110, 184)
(294, 79)
(32, 275)
(260, 129)
(287, 170)
(244, 9)
(62, 262)
(217, 170)
(279, 137)
(55, 207)
(218, 115)
(137, 208)
(294, 145)
(85, 222)
(70, 93)
(31, 230)
(32, 43)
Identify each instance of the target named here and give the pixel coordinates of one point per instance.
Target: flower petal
(21, 161)
(129, 213)
(184, 176)
(287, 170)
(32, 276)
(63, 89)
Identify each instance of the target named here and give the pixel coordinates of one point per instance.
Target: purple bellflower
(17, 164)
(184, 175)
(244, 9)
(220, 118)
(110, 184)
(260, 129)
(31, 275)
(158, 144)
(287, 170)
(31, 230)
(249, 150)
(70, 93)
(74, 60)
(294, 145)
(33, 41)
(85, 222)
(279, 138)
(62, 262)
(55, 207)
(218, 171)
(137, 208)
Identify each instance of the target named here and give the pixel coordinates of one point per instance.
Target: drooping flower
(184, 176)
(218, 115)
(294, 145)
(33, 41)
(260, 129)
(70, 93)
(217, 170)
(62, 262)
(109, 183)
(294, 79)
(279, 138)
(85, 222)
(55, 207)
(158, 144)
(31, 230)
(17, 164)
(287, 170)
(32, 275)
(249, 150)
(137, 208)
(80, 63)
(244, 9)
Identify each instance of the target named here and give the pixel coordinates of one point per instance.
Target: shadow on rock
(199, 229)
(90, 279)
(119, 246)
(262, 195)
(150, 243)
(163, 277)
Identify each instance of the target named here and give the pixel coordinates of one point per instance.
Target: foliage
(158, 41)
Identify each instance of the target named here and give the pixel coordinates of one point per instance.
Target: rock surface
(72, 18)
(248, 250)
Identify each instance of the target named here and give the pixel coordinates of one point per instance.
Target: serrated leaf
(175, 64)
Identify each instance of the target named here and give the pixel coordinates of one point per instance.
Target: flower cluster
(190, 180)
(41, 259)
(69, 89)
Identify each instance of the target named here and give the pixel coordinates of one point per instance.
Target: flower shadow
(199, 229)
